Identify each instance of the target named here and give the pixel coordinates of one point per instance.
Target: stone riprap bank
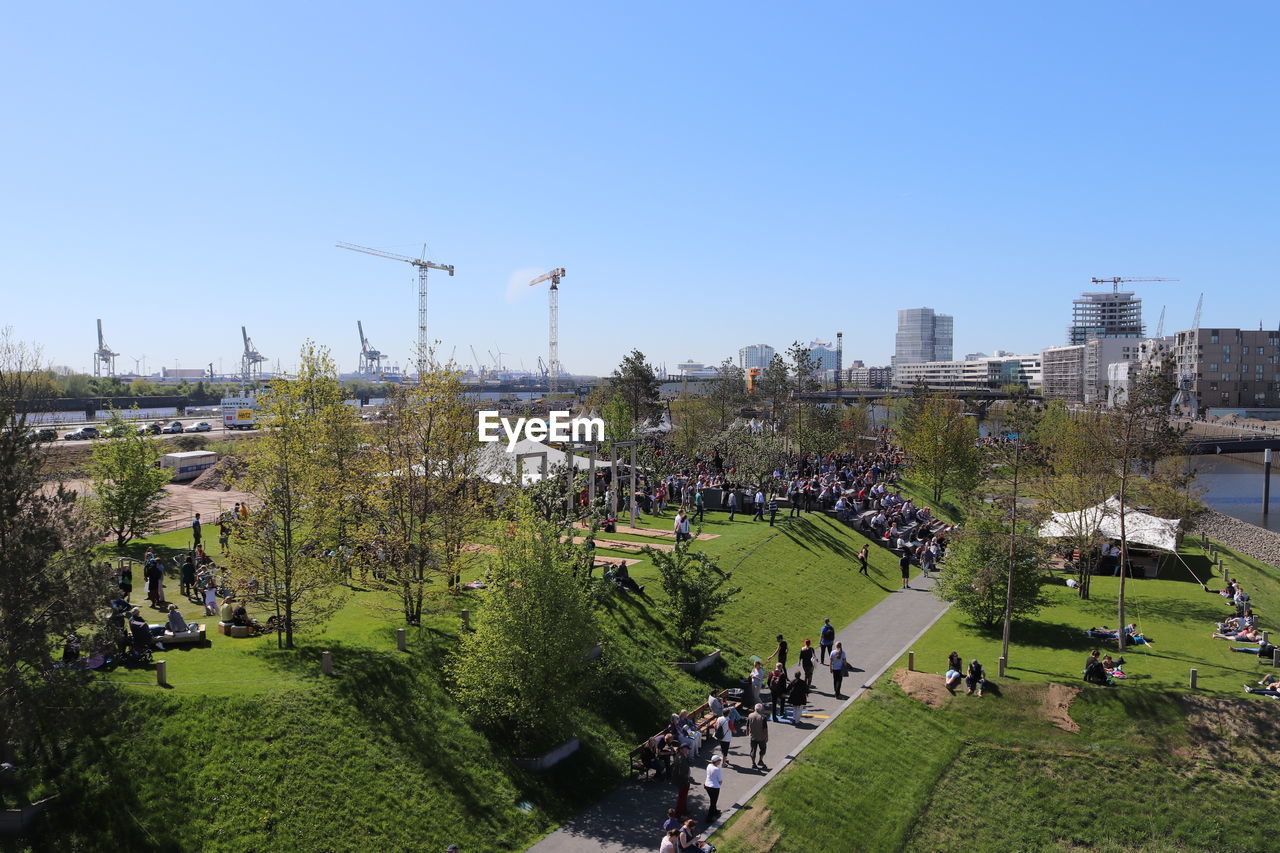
(1240, 536)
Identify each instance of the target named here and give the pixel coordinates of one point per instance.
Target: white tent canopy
(1104, 519)
(498, 465)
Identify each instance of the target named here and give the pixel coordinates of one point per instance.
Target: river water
(1233, 487)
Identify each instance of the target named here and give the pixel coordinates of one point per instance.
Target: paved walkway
(630, 818)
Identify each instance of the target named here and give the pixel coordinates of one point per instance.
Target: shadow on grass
(804, 532)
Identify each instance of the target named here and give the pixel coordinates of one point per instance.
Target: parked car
(202, 426)
(173, 428)
(149, 429)
(44, 434)
(120, 430)
(82, 434)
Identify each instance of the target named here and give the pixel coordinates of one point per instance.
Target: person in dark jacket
(680, 776)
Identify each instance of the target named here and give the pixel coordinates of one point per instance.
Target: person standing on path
(733, 504)
(680, 774)
(862, 559)
(826, 636)
(778, 690)
(780, 653)
(838, 665)
(759, 514)
(904, 563)
(758, 731)
(724, 734)
(757, 681)
(806, 662)
(715, 778)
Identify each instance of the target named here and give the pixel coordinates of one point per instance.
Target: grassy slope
(891, 774)
(270, 752)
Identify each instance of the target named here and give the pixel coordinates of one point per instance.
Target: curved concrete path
(630, 817)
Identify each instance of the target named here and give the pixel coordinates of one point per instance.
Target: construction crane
(1185, 399)
(1160, 325)
(251, 360)
(104, 356)
(475, 359)
(1115, 281)
(370, 358)
(553, 350)
(423, 266)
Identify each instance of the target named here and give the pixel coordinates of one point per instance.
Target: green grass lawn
(253, 746)
(993, 774)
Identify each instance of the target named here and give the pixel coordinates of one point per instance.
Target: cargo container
(188, 464)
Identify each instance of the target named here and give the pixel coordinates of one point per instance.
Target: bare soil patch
(1233, 728)
(754, 830)
(928, 687)
(1057, 706)
(221, 476)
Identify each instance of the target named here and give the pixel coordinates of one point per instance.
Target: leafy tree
(291, 471)
(978, 569)
(522, 672)
(127, 481)
(940, 445)
(49, 586)
(425, 508)
(728, 393)
(773, 387)
(696, 589)
(619, 418)
(635, 381)
(1136, 433)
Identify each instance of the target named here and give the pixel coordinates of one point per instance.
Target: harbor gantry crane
(251, 361)
(553, 350)
(103, 356)
(423, 266)
(1186, 400)
(370, 358)
(1115, 281)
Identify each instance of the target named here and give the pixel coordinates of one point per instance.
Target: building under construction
(1105, 315)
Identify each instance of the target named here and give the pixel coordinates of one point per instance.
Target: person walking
(680, 775)
(826, 636)
(778, 690)
(839, 664)
(724, 734)
(806, 662)
(714, 780)
(678, 526)
(759, 514)
(758, 731)
(904, 563)
(733, 504)
(862, 559)
(697, 506)
(773, 508)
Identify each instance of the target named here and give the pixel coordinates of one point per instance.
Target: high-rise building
(1105, 315)
(923, 336)
(823, 355)
(756, 355)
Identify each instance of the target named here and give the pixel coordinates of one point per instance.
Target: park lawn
(1173, 610)
(891, 774)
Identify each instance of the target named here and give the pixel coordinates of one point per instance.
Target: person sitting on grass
(976, 679)
(1247, 635)
(1264, 650)
(1270, 687)
(955, 672)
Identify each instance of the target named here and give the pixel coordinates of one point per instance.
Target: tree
(127, 481)
(49, 585)
(1138, 432)
(523, 673)
(292, 472)
(774, 387)
(637, 384)
(728, 394)
(696, 589)
(978, 569)
(425, 510)
(940, 443)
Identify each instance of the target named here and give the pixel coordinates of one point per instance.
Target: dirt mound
(754, 830)
(221, 476)
(928, 687)
(1057, 704)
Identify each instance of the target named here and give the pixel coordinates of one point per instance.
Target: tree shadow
(805, 532)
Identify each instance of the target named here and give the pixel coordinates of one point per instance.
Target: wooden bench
(229, 630)
(183, 638)
(704, 720)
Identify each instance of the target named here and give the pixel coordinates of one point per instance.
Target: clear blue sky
(710, 174)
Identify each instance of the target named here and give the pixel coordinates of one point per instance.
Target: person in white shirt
(714, 780)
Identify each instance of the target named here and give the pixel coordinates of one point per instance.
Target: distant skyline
(710, 176)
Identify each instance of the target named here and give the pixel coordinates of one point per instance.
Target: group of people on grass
(974, 678)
